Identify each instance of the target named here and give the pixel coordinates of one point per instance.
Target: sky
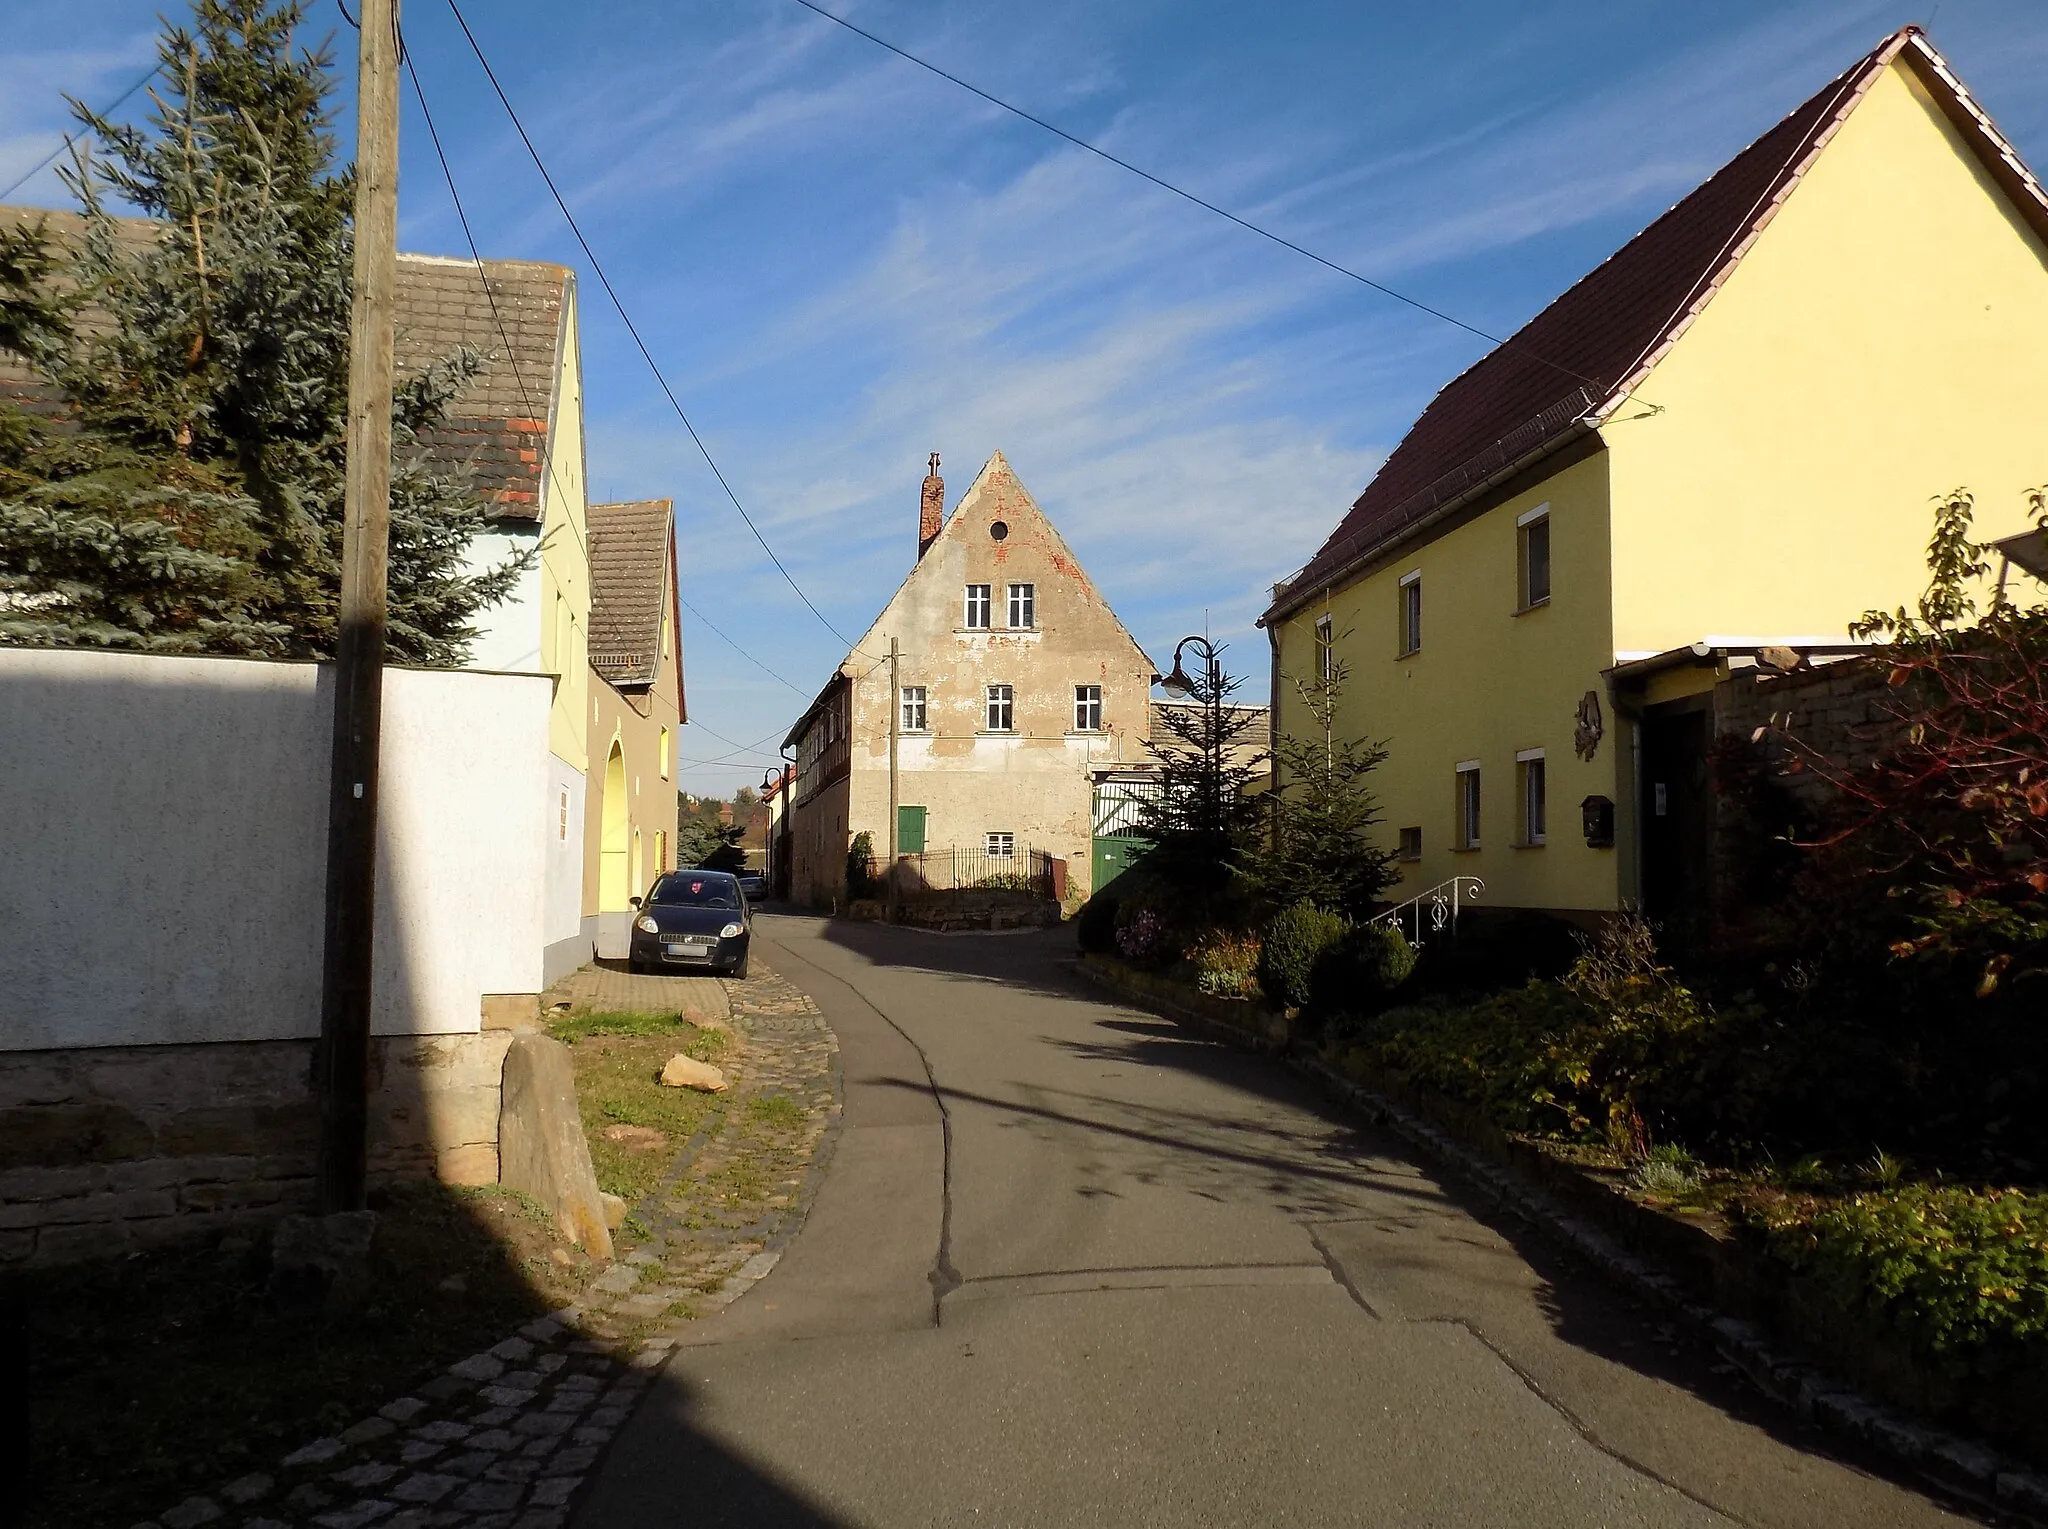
(842, 262)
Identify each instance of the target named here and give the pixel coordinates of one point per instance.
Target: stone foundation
(108, 1149)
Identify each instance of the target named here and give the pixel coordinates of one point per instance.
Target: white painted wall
(508, 637)
(163, 858)
(567, 945)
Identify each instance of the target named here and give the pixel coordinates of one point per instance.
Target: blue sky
(844, 263)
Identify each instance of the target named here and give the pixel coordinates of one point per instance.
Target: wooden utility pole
(895, 794)
(342, 1070)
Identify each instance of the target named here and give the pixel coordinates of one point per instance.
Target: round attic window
(1000, 530)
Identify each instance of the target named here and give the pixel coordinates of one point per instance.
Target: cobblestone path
(503, 1439)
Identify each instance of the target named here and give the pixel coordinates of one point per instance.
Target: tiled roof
(629, 552)
(1564, 370)
(498, 425)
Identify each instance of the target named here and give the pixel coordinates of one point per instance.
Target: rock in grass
(635, 1138)
(615, 1209)
(687, 1072)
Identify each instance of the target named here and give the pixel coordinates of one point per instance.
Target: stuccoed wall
(162, 873)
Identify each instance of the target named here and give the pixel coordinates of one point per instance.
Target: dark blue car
(692, 921)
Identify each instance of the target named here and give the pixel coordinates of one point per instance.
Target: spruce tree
(209, 405)
(1324, 810)
(1204, 830)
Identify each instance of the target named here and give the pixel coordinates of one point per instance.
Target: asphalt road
(1071, 1266)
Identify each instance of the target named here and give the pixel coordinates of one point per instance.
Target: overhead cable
(51, 158)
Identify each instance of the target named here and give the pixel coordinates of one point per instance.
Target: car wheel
(635, 965)
(739, 973)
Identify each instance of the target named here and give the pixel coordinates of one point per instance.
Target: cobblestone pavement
(503, 1439)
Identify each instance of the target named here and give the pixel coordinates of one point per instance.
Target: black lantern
(1596, 813)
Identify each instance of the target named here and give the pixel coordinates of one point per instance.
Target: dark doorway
(1677, 818)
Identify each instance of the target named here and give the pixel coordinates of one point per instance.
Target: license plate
(688, 948)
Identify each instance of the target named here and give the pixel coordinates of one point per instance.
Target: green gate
(1116, 844)
(910, 830)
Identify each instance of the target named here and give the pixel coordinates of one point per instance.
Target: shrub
(1226, 964)
(1142, 937)
(1361, 971)
(1095, 925)
(860, 867)
(1952, 1268)
(1498, 949)
(1294, 942)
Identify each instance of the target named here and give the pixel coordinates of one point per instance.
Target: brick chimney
(931, 510)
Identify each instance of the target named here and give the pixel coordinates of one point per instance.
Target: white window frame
(1087, 708)
(1005, 698)
(1534, 804)
(999, 844)
(915, 716)
(1326, 650)
(975, 604)
(1471, 805)
(1408, 613)
(1526, 523)
(1022, 607)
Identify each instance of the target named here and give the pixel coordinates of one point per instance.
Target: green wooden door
(910, 830)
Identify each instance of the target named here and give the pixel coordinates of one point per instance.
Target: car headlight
(731, 931)
(646, 925)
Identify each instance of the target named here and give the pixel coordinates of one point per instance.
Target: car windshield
(696, 891)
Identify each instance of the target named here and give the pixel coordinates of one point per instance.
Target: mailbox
(1597, 814)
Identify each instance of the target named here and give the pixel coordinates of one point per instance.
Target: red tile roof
(1576, 361)
(630, 548)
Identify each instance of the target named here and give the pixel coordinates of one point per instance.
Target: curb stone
(506, 1438)
(1951, 1461)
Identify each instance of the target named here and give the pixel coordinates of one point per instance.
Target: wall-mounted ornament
(1587, 735)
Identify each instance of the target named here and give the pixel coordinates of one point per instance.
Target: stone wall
(1837, 709)
(106, 1149)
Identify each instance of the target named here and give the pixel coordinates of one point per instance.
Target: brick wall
(105, 1149)
(1837, 709)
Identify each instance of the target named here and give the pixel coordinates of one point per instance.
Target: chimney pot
(931, 510)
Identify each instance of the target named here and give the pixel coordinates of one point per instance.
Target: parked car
(692, 920)
(755, 885)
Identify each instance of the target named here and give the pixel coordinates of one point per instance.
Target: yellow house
(636, 713)
(1724, 439)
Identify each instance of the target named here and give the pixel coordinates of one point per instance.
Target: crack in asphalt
(944, 1277)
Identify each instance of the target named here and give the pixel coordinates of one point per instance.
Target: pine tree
(1324, 810)
(216, 395)
(1204, 830)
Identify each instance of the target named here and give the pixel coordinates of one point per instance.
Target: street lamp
(1179, 683)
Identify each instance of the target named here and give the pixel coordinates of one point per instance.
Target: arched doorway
(614, 880)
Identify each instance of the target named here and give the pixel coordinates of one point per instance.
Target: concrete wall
(161, 876)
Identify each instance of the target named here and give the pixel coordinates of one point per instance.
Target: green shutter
(910, 830)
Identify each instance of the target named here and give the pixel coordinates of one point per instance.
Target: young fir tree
(1204, 830)
(1324, 810)
(198, 501)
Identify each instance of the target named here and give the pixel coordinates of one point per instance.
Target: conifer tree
(197, 502)
(1324, 810)
(1203, 828)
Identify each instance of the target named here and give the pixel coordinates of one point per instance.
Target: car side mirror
(632, 902)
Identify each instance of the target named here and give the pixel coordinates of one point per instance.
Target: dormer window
(977, 608)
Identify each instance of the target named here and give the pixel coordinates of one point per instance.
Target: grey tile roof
(629, 553)
(498, 427)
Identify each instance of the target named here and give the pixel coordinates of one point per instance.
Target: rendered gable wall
(1882, 342)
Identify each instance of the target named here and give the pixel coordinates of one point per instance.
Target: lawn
(636, 1126)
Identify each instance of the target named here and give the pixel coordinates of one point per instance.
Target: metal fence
(967, 868)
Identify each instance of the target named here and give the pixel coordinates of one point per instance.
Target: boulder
(541, 1147)
(615, 1209)
(687, 1072)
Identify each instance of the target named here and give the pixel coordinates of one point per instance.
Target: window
(1087, 708)
(1326, 656)
(1411, 845)
(664, 754)
(914, 713)
(1534, 530)
(1002, 846)
(1468, 805)
(1023, 606)
(977, 607)
(1529, 766)
(1001, 708)
(562, 828)
(661, 849)
(1411, 613)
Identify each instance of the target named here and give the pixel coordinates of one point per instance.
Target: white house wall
(509, 633)
(161, 879)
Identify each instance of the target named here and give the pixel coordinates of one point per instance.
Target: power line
(1188, 196)
(512, 355)
(51, 158)
(631, 329)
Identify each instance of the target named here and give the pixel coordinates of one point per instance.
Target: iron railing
(967, 868)
(1431, 913)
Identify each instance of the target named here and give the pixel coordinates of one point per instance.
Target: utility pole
(895, 808)
(342, 1068)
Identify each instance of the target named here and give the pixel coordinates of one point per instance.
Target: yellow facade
(1771, 478)
(564, 557)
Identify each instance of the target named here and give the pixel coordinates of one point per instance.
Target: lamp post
(771, 781)
(1208, 690)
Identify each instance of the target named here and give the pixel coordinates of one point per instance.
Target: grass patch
(775, 1110)
(167, 1373)
(618, 1059)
